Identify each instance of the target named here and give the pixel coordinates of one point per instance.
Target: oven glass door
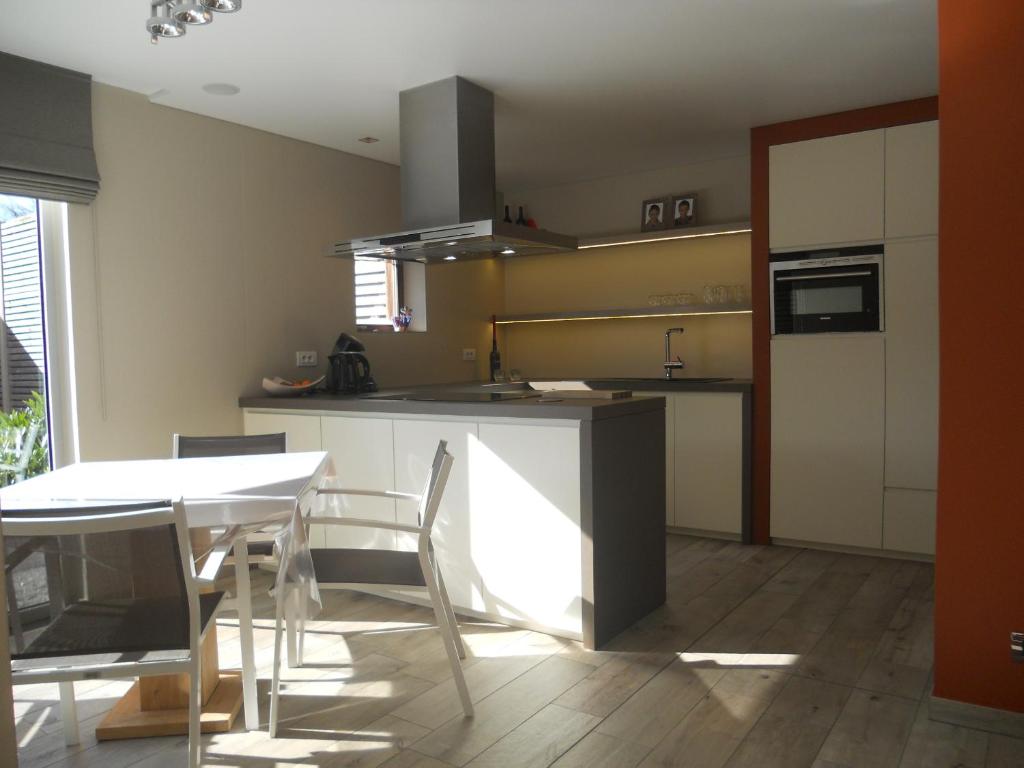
(833, 299)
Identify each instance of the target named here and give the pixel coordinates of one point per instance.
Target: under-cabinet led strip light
(620, 317)
(666, 238)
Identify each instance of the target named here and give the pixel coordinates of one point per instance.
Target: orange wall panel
(979, 595)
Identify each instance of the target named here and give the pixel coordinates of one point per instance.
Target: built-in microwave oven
(838, 290)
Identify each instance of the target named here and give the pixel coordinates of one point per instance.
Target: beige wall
(612, 205)
(618, 278)
(199, 269)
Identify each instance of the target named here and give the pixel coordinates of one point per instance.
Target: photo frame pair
(669, 212)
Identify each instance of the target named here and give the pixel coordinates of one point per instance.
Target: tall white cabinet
(855, 417)
(828, 435)
(827, 191)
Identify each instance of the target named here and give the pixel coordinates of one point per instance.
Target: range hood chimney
(448, 187)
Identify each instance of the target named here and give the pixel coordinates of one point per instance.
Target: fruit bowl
(278, 387)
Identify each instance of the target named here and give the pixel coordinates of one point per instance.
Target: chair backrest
(433, 489)
(103, 579)
(192, 447)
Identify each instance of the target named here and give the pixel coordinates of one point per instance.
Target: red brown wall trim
(761, 138)
(979, 581)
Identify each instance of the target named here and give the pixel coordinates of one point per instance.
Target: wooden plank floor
(762, 656)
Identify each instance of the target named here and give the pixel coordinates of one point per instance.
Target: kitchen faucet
(670, 364)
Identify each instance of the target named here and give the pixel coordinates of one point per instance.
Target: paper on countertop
(559, 386)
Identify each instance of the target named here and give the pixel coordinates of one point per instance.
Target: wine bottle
(495, 355)
(520, 219)
(508, 216)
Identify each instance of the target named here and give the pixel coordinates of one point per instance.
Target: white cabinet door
(909, 521)
(829, 190)
(912, 364)
(912, 180)
(363, 453)
(526, 540)
(670, 462)
(828, 438)
(415, 445)
(303, 431)
(708, 461)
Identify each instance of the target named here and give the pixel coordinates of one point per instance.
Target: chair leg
(275, 683)
(250, 704)
(303, 615)
(447, 635)
(446, 601)
(195, 703)
(69, 713)
(291, 619)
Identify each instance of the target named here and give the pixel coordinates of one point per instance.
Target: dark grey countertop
(680, 384)
(528, 408)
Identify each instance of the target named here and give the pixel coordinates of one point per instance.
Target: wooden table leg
(157, 705)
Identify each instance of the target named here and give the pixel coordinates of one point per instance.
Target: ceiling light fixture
(169, 17)
(450, 257)
(162, 24)
(223, 6)
(191, 13)
(221, 89)
(508, 252)
(369, 140)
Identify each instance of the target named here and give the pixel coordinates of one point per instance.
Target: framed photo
(655, 214)
(684, 210)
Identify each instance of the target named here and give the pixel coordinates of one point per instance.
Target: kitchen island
(554, 513)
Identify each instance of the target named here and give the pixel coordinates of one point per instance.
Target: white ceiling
(584, 88)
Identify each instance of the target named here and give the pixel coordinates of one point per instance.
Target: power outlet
(469, 354)
(307, 359)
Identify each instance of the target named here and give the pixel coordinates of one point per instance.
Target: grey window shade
(46, 132)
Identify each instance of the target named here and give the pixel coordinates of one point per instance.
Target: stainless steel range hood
(447, 178)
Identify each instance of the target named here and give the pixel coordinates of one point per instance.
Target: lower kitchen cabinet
(362, 450)
(704, 457)
(909, 521)
(708, 461)
(303, 431)
(828, 439)
(415, 445)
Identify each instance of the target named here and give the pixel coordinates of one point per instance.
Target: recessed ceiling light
(450, 257)
(452, 242)
(508, 252)
(221, 89)
(369, 139)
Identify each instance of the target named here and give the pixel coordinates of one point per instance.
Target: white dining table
(237, 493)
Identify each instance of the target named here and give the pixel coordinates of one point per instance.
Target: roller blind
(46, 132)
(376, 291)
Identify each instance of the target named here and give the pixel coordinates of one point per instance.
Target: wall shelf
(675, 310)
(667, 235)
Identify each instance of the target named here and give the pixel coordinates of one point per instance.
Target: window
(378, 296)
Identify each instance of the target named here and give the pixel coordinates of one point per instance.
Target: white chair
(194, 447)
(344, 568)
(23, 443)
(259, 547)
(126, 602)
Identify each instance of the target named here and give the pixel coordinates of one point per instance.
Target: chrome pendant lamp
(162, 24)
(191, 13)
(171, 18)
(223, 6)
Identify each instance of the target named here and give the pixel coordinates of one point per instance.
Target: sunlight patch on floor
(741, 659)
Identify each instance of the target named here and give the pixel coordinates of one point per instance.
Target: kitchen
(824, 443)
